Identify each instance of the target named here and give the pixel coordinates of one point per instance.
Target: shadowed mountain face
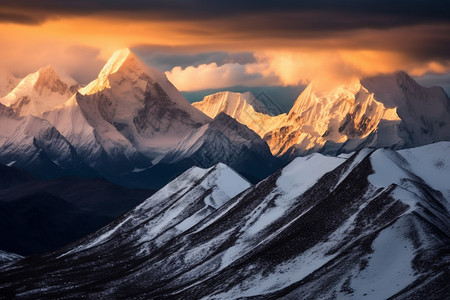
(42, 215)
(375, 224)
(228, 141)
(224, 140)
(34, 145)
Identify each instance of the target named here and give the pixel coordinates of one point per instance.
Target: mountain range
(384, 111)
(123, 189)
(122, 125)
(130, 124)
(370, 225)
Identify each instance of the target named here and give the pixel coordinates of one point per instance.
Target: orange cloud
(80, 45)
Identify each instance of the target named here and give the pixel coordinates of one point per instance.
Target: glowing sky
(214, 44)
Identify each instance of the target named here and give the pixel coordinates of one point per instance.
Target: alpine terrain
(384, 111)
(374, 224)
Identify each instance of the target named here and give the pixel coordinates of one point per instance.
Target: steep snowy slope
(226, 140)
(425, 112)
(40, 92)
(7, 82)
(363, 227)
(34, 145)
(174, 209)
(71, 123)
(243, 107)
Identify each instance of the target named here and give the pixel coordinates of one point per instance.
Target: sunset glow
(290, 45)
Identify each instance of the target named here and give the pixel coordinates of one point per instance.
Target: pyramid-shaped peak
(123, 62)
(48, 69)
(116, 61)
(47, 75)
(49, 79)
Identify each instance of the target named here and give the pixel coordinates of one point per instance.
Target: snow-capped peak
(231, 103)
(123, 64)
(336, 112)
(114, 64)
(40, 92)
(125, 72)
(243, 107)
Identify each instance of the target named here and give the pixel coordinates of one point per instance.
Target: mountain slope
(338, 115)
(227, 141)
(36, 146)
(126, 117)
(323, 227)
(243, 107)
(425, 112)
(40, 92)
(6, 257)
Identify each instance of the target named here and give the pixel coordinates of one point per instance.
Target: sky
(212, 45)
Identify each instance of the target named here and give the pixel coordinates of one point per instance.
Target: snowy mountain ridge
(385, 111)
(129, 116)
(39, 92)
(33, 144)
(373, 225)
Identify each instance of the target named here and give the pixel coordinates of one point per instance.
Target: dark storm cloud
(19, 18)
(329, 23)
(323, 14)
(165, 58)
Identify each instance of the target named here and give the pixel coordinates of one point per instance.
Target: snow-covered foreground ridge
(371, 225)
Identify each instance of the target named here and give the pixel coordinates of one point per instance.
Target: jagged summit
(330, 113)
(243, 107)
(231, 103)
(40, 92)
(425, 111)
(123, 61)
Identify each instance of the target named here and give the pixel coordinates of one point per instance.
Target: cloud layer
(206, 44)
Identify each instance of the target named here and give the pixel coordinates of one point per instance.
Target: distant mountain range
(383, 111)
(131, 123)
(120, 126)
